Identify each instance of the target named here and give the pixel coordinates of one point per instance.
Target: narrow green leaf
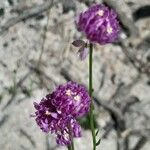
(97, 132)
(98, 142)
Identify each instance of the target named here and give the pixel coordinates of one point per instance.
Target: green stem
(90, 92)
(69, 147)
(72, 144)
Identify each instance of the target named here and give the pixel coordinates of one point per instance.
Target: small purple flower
(57, 112)
(51, 120)
(99, 23)
(71, 98)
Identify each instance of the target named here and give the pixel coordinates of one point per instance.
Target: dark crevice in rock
(142, 12)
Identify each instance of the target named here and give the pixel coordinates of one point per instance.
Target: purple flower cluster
(71, 98)
(99, 23)
(57, 112)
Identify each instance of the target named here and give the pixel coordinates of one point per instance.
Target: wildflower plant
(57, 113)
(99, 24)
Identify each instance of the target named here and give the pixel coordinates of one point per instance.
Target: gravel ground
(21, 85)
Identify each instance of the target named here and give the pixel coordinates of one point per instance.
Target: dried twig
(4, 120)
(34, 11)
(44, 34)
(18, 85)
(140, 132)
(115, 113)
(137, 64)
(103, 71)
(40, 72)
(25, 134)
(141, 142)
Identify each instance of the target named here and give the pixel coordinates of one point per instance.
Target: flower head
(57, 112)
(99, 23)
(71, 98)
(51, 120)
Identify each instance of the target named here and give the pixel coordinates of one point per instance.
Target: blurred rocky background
(36, 55)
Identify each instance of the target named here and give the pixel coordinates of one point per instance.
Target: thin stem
(90, 92)
(72, 144)
(44, 35)
(69, 147)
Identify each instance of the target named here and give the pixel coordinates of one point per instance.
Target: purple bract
(99, 23)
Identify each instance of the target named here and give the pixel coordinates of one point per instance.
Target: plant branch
(90, 92)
